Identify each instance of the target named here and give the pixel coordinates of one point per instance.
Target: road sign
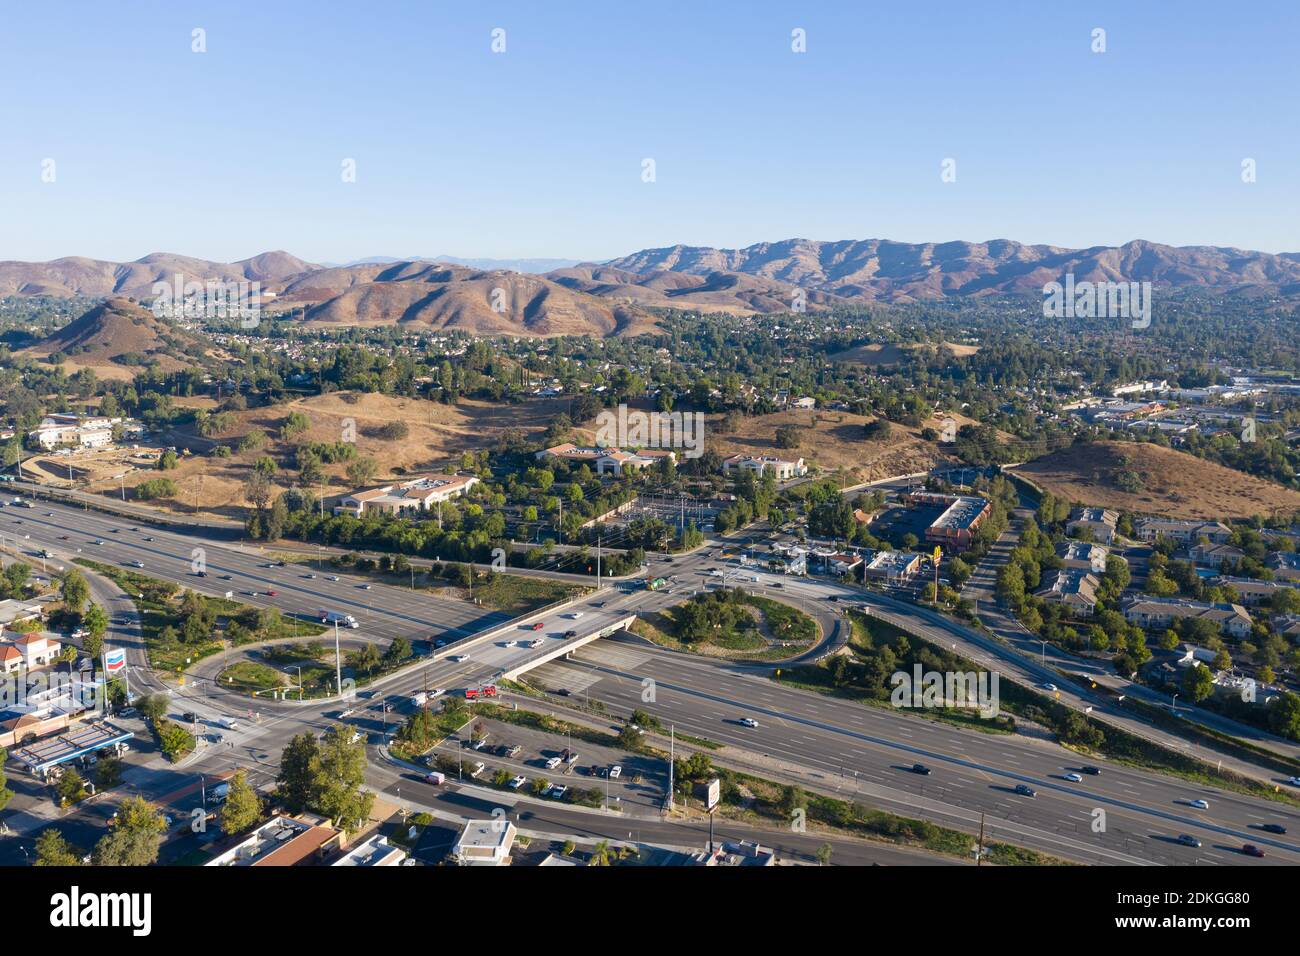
(114, 660)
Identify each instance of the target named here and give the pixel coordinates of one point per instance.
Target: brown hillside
(1176, 484)
(115, 328)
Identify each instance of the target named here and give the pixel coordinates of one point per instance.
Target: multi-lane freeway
(824, 743)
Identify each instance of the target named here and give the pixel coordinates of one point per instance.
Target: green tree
(337, 777)
(296, 777)
(135, 838)
(242, 807)
(1197, 683)
(53, 850)
(74, 590)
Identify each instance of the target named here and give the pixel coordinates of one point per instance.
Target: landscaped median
(181, 626)
(729, 623)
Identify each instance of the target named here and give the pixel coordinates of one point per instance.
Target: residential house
(1159, 613)
(1183, 532)
(1076, 590)
(1100, 521)
(1082, 556)
(1213, 555)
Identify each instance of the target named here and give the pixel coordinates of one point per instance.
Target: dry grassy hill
(116, 328)
(1174, 483)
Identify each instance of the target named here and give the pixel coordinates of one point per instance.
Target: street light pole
(338, 661)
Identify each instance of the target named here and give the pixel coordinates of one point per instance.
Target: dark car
(200, 574)
(833, 597)
(1025, 790)
(669, 558)
(921, 769)
(1251, 850)
(563, 692)
(1091, 771)
(1272, 828)
(570, 633)
(189, 716)
(1186, 839)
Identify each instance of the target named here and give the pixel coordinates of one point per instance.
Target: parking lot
(627, 779)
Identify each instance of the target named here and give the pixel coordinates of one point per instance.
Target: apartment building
(1183, 532)
(1159, 613)
(1076, 590)
(1100, 521)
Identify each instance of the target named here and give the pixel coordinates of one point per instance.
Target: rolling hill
(1172, 483)
(120, 328)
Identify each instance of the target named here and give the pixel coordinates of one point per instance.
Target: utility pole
(672, 758)
(338, 661)
(979, 847)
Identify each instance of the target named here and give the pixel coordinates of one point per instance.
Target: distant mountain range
(516, 297)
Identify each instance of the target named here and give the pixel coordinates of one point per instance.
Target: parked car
(518, 782)
(559, 790)
(478, 769)
(615, 772)
(552, 763)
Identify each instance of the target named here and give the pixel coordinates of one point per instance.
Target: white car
(480, 743)
(748, 722)
(356, 735)
(615, 772)
(552, 763)
(558, 792)
(458, 658)
(478, 769)
(509, 643)
(537, 642)
(575, 615)
(1050, 688)
(1294, 781)
(437, 692)
(1199, 805)
(518, 782)
(332, 577)
(1074, 778)
(137, 564)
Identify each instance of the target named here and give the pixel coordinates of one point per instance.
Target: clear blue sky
(538, 151)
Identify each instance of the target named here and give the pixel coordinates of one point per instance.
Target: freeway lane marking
(1007, 774)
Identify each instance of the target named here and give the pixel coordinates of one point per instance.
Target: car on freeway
(559, 790)
(518, 782)
(1025, 790)
(570, 633)
(1294, 781)
(332, 577)
(458, 658)
(225, 577)
(112, 530)
(1199, 805)
(552, 763)
(98, 541)
(310, 576)
(200, 574)
(1074, 777)
(536, 643)
(537, 626)
(365, 587)
(1249, 849)
(575, 615)
(509, 643)
(922, 769)
(63, 537)
(748, 722)
(615, 772)
(49, 514)
(1050, 688)
(272, 593)
(1186, 839)
(478, 769)
(148, 537)
(1272, 828)
(137, 564)
(1091, 771)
